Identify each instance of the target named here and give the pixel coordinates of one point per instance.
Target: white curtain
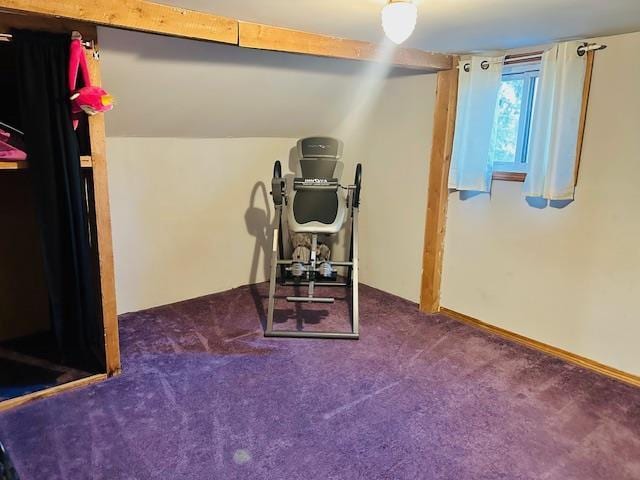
(555, 124)
(478, 89)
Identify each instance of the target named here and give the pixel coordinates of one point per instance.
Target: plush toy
(302, 248)
(87, 99)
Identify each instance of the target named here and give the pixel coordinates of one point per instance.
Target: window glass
(513, 118)
(504, 139)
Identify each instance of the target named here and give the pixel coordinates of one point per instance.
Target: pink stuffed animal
(88, 99)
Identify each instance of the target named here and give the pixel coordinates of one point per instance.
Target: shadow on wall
(541, 203)
(260, 224)
(535, 202)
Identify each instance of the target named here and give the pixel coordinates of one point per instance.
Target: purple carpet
(204, 396)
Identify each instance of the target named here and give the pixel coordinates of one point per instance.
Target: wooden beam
(438, 194)
(103, 228)
(135, 15)
(9, 21)
(543, 347)
(145, 16)
(267, 37)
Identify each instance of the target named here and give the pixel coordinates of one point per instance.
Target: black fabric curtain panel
(54, 164)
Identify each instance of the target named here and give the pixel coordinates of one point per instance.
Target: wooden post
(103, 228)
(442, 145)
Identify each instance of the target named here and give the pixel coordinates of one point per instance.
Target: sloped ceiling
(171, 87)
(456, 26)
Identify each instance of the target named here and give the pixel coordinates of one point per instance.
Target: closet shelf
(85, 162)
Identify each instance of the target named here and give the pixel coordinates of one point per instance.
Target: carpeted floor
(204, 396)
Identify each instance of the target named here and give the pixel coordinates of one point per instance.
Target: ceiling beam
(9, 21)
(267, 37)
(145, 16)
(135, 15)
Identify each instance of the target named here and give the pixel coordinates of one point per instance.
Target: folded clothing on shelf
(11, 147)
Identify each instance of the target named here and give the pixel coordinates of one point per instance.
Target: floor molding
(543, 347)
(15, 402)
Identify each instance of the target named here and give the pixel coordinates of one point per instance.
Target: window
(512, 121)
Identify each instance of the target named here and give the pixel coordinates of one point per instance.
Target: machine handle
(357, 182)
(310, 184)
(277, 184)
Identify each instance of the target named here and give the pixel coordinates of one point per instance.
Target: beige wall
(569, 277)
(395, 176)
(176, 88)
(190, 216)
(191, 146)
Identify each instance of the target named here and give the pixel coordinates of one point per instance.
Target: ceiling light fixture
(399, 19)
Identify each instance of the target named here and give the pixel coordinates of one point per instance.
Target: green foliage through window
(512, 121)
(504, 139)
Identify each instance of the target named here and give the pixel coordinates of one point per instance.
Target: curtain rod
(7, 37)
(523, 57)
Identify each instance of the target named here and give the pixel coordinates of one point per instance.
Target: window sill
(510, 176)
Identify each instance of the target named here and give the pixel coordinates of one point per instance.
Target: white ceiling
(455, 26)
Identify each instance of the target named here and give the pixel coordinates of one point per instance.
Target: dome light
(399, 19)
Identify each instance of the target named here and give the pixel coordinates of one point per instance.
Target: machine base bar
(297, 334)
(318, 284)
(311, 299)
(334, 264)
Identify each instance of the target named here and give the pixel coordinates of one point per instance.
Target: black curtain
(54, 164)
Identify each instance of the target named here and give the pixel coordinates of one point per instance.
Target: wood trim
(65, 387)
(509, 176)
(267, 37)
(543, 347)
(13, 165)
(135, 15)
(40, 363)
(103, 228)
(583, 113)
(85, 162)
(9, 21)
(438, 194)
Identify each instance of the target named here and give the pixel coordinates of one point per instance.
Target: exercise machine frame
(279, 264)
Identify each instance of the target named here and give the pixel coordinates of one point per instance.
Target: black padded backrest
(315, 206)
(318, 168)
(318, 159)
(320, 147)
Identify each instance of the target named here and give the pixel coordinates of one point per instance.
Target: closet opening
(38, 350)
